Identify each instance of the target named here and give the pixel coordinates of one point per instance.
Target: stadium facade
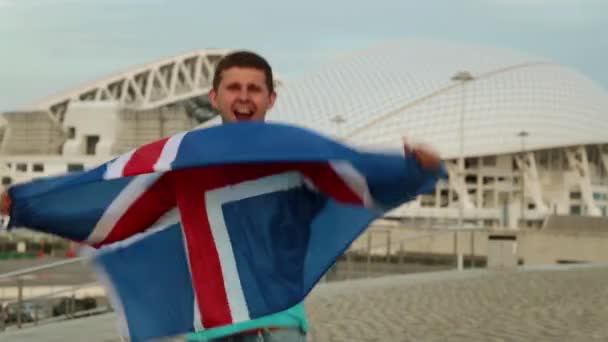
(524, 138)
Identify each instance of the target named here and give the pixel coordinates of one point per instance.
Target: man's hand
(426, 156)
(5, 203)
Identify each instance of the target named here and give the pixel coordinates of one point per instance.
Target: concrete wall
(420, 240)
(533, 247)
(29, 133)
(538, 248)
(52, 165)
(91, 118)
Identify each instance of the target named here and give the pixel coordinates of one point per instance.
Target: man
(243, 90)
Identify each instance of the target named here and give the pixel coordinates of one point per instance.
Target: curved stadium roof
(379, 95)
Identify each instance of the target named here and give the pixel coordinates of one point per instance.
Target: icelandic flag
(219, 225)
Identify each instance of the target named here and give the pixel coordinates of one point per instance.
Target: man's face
(242, 95)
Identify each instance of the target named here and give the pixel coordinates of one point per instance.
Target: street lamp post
(523, 135)
(463, 77)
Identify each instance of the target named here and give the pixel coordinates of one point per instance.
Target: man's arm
(143, 204)
(5, 203)
(427, 157)
(375, 180)
(93, 213)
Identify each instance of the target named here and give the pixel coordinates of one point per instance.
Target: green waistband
(294, 317)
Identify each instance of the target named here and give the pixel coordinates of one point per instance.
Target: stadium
(523, 137)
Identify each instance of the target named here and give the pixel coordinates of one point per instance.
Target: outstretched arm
(5, 203)
(95, 213)
(376, 180)
(427, 157)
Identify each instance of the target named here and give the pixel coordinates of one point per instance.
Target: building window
(593, 155)
(470, 179)
(38, 167)
(575, 210)
(71, 132)
(75, 167)
(489, 161)
(514, 165)
(543, 158)
(597, 196)
(22, 167)
(91, 141)
(556, 160)
(575, 195)
(471, 163)
(444, 198)
(7, 181)
(427, 201)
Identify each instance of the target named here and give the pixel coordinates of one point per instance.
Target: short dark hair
(243, 59)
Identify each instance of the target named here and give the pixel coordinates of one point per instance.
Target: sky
(47, 46)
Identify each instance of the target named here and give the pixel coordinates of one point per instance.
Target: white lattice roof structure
(148, 86)
(405, 88)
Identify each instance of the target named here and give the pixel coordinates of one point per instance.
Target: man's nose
(243, 95)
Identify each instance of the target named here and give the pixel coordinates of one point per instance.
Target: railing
(30, 270)
(366, 258)
(48, 300)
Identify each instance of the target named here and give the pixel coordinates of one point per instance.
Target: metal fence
(68, 289)
(57, 291)
(391, 256)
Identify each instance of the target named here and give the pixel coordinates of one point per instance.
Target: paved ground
(559, 304)
(555, 305)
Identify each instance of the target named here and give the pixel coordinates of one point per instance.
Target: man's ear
(273, 98)
(213, 98)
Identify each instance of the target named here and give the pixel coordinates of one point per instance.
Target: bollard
(72, 305)
(19, 301)
(401, 260)
(369, 254)
(472, 264)
(388, 246)
(3, 316)
(457, 252)
(387, 263)
(349, 266)
(502, 250)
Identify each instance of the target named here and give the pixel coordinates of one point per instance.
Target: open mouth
(243, 114)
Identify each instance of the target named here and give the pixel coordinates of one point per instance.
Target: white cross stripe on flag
(355, 181)
(114, 169)
(169, 152)
(198, 317)
(214, 200)
(119, 206)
